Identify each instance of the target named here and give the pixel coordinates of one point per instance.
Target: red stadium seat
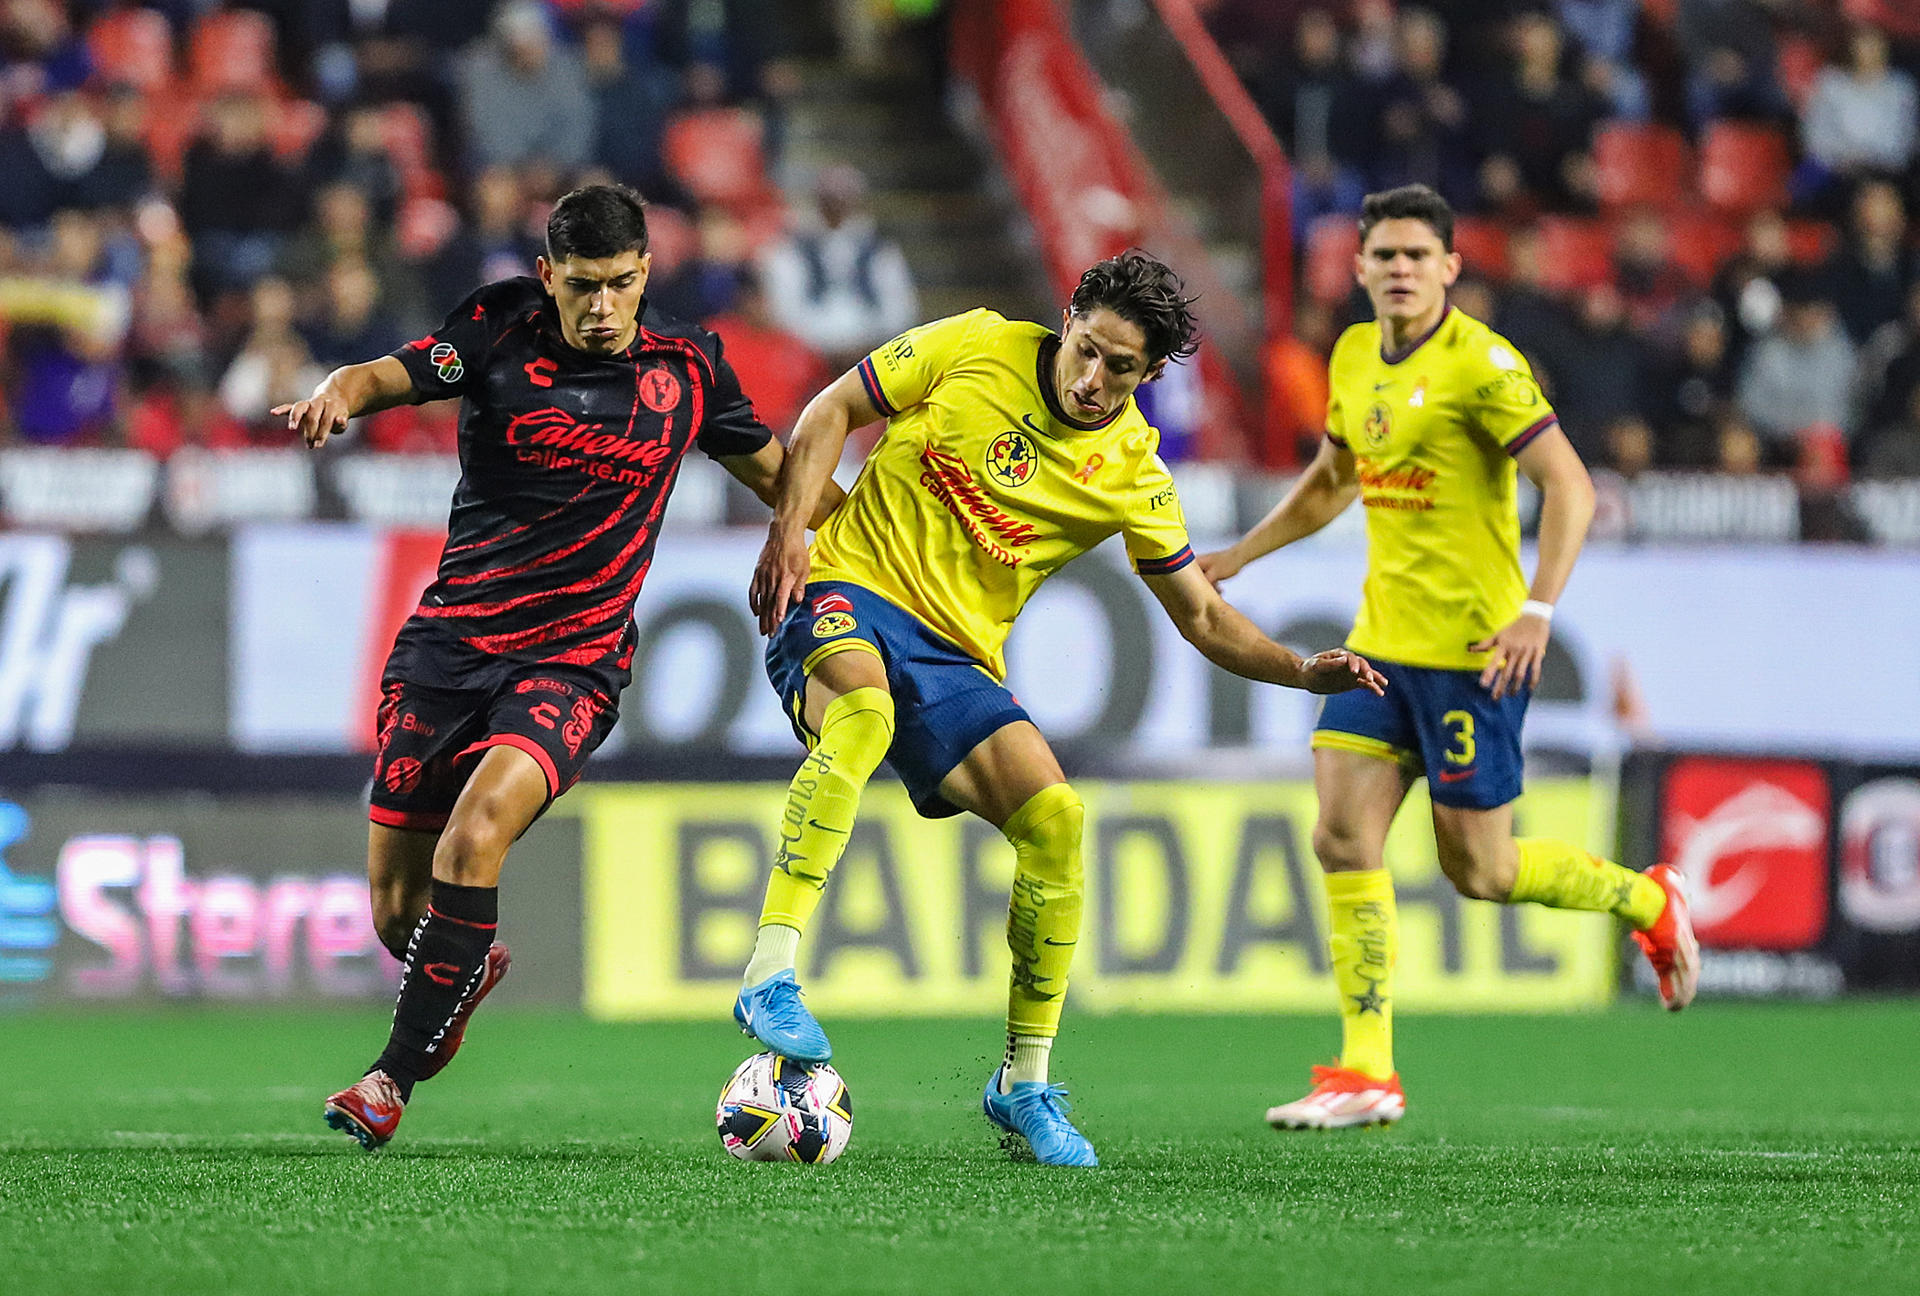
(1332, 242)
(292, 127)
(232, 50)
(1482, 245)
(408, 137)
(173, 119)
(1640, 164)
(1810, 241)
(1700, 242)
(1743, 166)
(1576, 253)
(1796, 66)
(719, 154)
(132, 47)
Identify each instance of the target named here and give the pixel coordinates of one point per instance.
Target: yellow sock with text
(1560, 875)
(822, 801)
(1364, 941)
(1043, 915)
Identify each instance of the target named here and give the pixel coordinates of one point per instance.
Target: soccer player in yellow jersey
(1009, 451)
(1430, 414)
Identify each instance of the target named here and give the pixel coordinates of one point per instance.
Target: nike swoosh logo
(1454, 776)
(1031, 425)
(815, 823)
(1383, 386)
(1048, 940)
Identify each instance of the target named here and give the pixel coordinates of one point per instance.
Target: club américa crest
(1378, 427)
(1011, 459)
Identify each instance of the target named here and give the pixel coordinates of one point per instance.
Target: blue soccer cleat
(1037, 1112)
(772, 1013)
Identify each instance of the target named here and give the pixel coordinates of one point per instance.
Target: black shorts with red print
(429, 739)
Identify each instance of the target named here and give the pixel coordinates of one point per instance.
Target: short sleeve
(902, 373)
(1336, 431)
(449, 361)
(1155, 528)
(730, 427)
(1507, 402)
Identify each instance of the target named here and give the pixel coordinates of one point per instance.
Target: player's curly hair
(1145, 292)
(598, 220)
(1409, 202)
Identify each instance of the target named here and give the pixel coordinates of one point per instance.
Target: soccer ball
(775, 1109)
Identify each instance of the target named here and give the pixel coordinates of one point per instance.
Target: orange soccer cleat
(1342, 1099)
(1669, 944)
(369, 1111)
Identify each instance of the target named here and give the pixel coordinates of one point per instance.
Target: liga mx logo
(446, 362)
(1011, 459)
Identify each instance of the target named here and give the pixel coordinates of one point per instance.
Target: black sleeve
(731, 427)
(448, 361)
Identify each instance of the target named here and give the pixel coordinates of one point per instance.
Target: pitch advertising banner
(1804, 874)
(112, 899)
(1686, 644)
(1200, 898)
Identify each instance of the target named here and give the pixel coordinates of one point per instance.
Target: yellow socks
(1562, 876)
(822, 801)
(1364, 940)
(1043, 916)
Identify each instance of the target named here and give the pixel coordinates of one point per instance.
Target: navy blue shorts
(1439, 722)
(944, 702)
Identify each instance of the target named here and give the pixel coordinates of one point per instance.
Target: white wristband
(1534, 607)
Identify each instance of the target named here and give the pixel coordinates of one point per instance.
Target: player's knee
(1046, 833)
(1342, 850)
(1477, 875)
(476, 840)
(859, 723)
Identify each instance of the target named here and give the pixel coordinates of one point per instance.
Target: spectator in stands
(167, 341)
(1690, 389)
(1604, 30)
(1629, 446)
(1296, 388)
(1317, 111)
(355, 153)
(1530, 315)
(1862, 118)
(69, 319)
(494, 243)
(524, 99)
(1893, 449)
(1739, 451)
(1420, 122)
(1731, 56)
(629, 110)
(779, 372)
(1536, 125)
(352, 321)
(236, 200)
(123, 173)
(1649, 282)
(343, 229)
(836, 281)
(274, 365)
(1890, 367)
(1869, 276)
(1598, 372)
(1800, 375)
(40, 53)
(1747, 287)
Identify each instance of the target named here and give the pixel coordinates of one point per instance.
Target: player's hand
(779, 578)
(1220, 565)
(1340, 671)
(316, 418)
(1518, 650)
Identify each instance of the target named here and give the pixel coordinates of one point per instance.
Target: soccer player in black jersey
(577, 408)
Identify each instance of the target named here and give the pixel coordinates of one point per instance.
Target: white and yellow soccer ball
(776, 1109)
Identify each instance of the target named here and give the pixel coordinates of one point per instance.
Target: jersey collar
(1043, 376)
(1394, 358)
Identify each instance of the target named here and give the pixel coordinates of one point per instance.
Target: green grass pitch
(1736, 1149)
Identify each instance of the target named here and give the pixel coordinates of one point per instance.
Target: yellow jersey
(982, 486)
(1434, 431)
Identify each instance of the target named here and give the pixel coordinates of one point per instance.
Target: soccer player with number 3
(1430, 414)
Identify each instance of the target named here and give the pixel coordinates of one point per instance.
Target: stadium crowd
(207, 206)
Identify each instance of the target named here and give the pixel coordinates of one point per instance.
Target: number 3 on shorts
(1461, 723)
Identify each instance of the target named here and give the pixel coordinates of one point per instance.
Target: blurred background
(1692, 215)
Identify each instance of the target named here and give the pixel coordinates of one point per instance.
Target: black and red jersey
(566, 462)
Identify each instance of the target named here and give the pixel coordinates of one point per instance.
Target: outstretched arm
(780, 576)
(1566, 509)
(347, 393)
(1323, 492)
(1226, 638)
(760, 472)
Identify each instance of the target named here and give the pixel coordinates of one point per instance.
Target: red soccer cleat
(370, 1111)
(498, 961)
(1342, 1099)
(1669, 944)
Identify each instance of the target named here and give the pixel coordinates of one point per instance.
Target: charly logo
(1011, 459)
(833, 623)
(659, 389)
(1378, 427)
(446, 362)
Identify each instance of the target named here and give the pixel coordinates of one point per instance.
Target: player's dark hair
(1408, 202)
(594, 221)
(1145, 292)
